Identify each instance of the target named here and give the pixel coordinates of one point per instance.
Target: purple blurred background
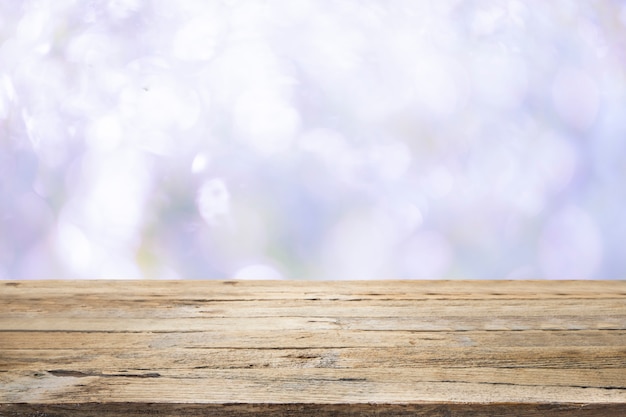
(312, 139)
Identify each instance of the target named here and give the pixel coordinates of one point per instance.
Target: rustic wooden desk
(296, 348)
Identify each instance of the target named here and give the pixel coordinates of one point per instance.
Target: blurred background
(312, 139)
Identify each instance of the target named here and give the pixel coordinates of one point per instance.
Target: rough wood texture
(377, 348)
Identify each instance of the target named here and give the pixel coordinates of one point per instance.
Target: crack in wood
(79, 374)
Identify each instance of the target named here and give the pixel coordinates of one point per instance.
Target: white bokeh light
(427, 254)
(74, 249)
(258, 271)
(213, 200)
(265, 122)
(197, 39)
(570, 246)
(360, 245)
(576, 97)
(314, 140)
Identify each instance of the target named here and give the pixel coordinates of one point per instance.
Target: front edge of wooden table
(305, 348)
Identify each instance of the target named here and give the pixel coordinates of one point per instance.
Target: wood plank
(91, 409)
(296, 339)
(318, 323)
(336, 290)
(82, 307)
(594, 358)
(320, 386)
(384, 348)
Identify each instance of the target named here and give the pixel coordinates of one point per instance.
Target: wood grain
(297, 348)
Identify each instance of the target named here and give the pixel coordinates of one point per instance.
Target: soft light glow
(313, 140)
(74, 249)
(570, 245)
(576, 98)
(213, 200)
(265, 122)
(257, 271)
(427, 254)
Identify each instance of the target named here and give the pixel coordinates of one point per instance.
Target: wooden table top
(311, 348)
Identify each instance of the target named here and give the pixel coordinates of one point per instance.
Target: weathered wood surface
(384, 348)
